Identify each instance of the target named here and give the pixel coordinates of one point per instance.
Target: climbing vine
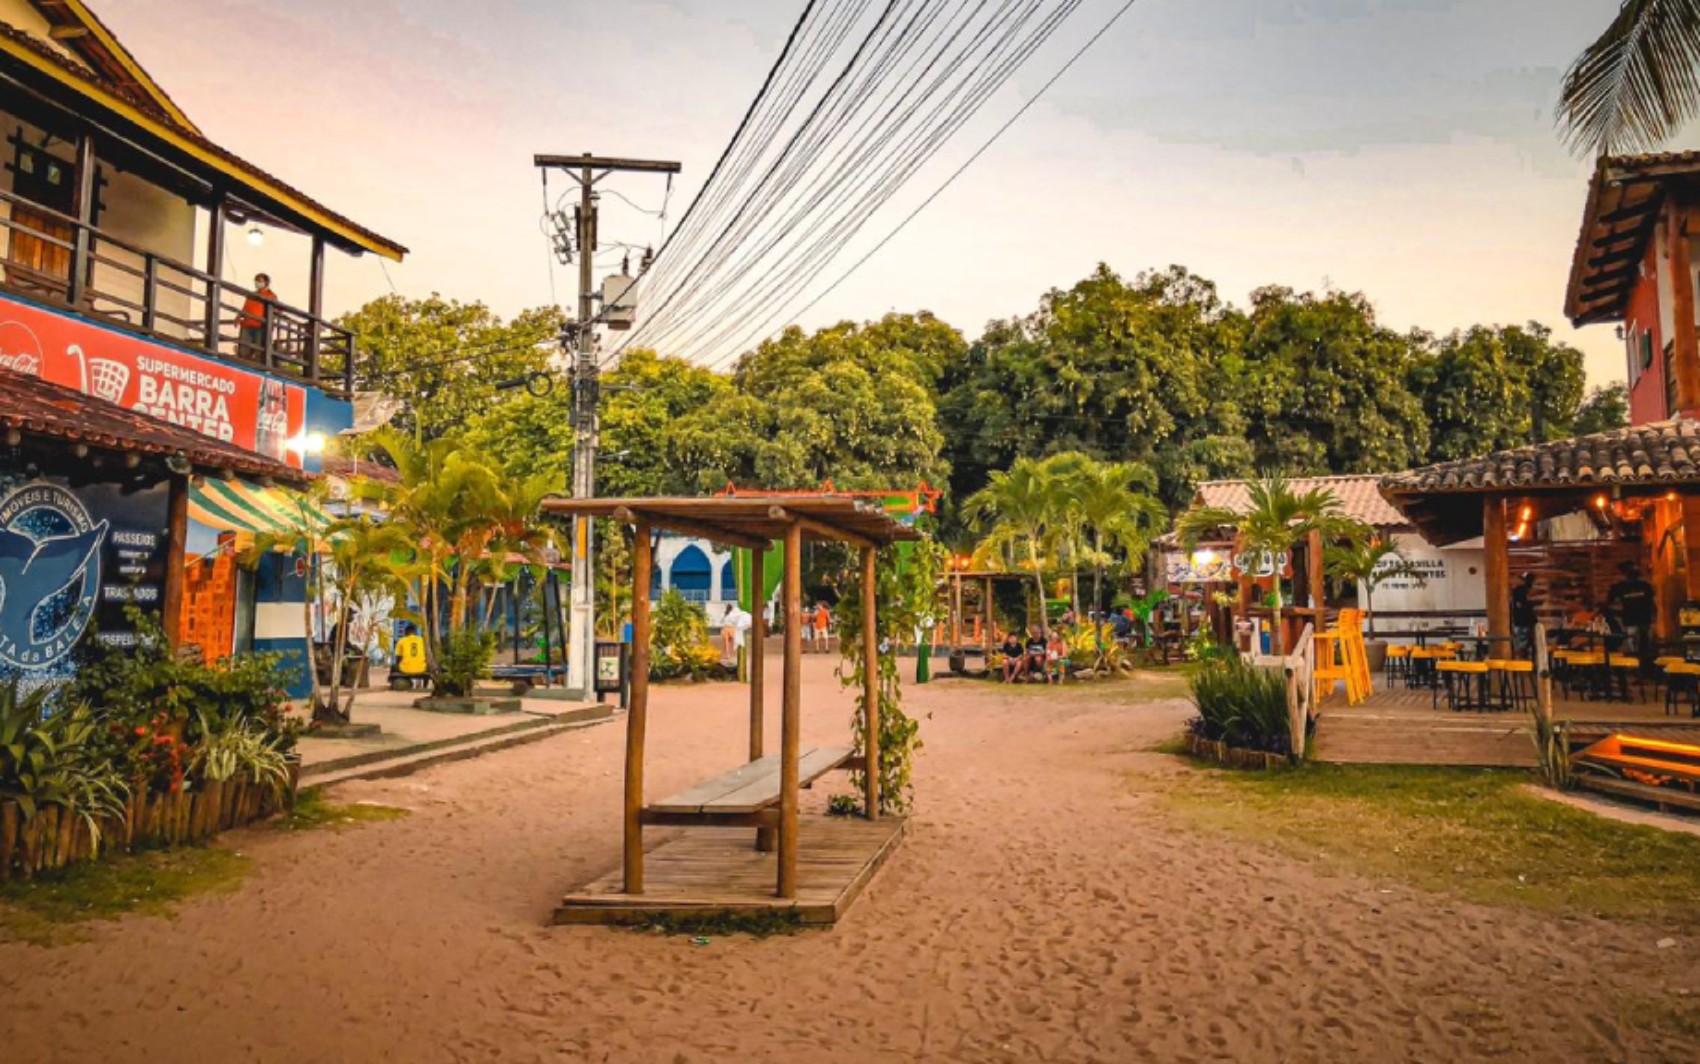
(906, 590)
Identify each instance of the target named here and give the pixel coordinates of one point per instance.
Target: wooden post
(870, 685)
(792, 595)
(986, 636)
(176, 540)
(637, 716)
(1543, 678)
(215, 270)
(82, 205)
(1685, 353)
(315, 303)
(1496, 566)
(1313, 570)
(757, 641)
(1691, 545)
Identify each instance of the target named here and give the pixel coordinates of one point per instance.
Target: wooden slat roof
(1624, 197)
(142, 110)
(747, 522)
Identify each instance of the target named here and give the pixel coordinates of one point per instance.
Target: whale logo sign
(49, 574)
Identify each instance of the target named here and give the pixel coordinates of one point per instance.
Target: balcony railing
(54, 258)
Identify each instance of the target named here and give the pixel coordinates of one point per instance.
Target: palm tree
(1276, 519)
(1638, 83)
(364, 560)
(1363, 561)
(1016, 507)
(1119, 514)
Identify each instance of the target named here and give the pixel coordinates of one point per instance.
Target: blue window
(692, 573)
(728, 580)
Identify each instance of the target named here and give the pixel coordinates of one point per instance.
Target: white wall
(667, 551)
(1453, 578)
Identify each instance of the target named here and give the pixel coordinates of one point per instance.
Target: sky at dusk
(1404, 148)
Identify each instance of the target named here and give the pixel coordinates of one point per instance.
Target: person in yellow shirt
(410, 653)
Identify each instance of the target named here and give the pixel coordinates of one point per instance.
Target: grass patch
(312, 810)
(707, 926)
(47, 911)
(1470, 832)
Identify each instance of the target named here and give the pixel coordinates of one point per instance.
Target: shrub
(1242, 705)
(56, 760)
(679, 643)
(464, 661)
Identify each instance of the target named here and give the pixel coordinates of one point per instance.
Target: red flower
(141, 729)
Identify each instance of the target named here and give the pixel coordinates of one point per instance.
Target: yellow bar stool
(1328, 671)
(1516, 682)
(1459, 675)
(1682, 687)
(1398, 662)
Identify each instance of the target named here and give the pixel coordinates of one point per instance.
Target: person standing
(729, 635)
(823, 627)
(1634, 602)
(1523, 617)
(252, 339)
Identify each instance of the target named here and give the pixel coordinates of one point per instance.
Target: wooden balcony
(56, 260)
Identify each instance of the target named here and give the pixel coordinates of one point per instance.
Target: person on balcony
(253, 321)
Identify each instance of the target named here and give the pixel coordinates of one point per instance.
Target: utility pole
(579, 339)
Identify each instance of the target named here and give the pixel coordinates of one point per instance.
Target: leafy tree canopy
(444, 359)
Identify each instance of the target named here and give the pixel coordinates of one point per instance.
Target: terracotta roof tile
(1358, 496)
(37, 407)
(1656, 453)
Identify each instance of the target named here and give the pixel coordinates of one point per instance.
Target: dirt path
(1043, 908)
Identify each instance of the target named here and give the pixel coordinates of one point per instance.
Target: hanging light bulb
(256, 235)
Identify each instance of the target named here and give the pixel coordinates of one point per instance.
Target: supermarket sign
(251, 410)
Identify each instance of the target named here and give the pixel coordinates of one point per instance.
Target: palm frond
(1638, 83)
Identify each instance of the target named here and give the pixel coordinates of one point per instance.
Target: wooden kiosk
(705, 872)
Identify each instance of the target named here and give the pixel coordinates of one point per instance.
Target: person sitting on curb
(1014, 658)
(1056, 659)
(1037, 647)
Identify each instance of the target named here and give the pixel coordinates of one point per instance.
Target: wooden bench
(745, 796)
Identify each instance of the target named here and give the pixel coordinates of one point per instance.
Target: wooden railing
(55, 258)
(1300, 667)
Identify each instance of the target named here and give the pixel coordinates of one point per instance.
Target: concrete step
(404, 762)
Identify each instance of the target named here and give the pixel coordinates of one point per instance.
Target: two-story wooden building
(115, 211)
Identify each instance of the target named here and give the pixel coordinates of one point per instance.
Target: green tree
(1277, 519)
(446, 360)
(1605, 409)
(1638, 83)
(1490, 388)
(853, 404)
(1327, 386)
(1141, 371)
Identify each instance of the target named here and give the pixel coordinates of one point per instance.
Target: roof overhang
(753, 523)
(1625, 199)
(80, 30)
(194, 151)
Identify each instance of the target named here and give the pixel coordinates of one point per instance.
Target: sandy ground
(1044, 908)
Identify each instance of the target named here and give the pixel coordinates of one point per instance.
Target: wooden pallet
(718, 872)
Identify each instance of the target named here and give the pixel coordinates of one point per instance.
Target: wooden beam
(1313, 571)
(986, 607)
(790, 715)
(819, 529)
(1635, 211)
(690, 527)
(1691, 545)
(176, 542)
(637, 714)
(1628, 253)
(1496, 566)
(870, 683)
(1685, 357)
(215, 269)
(756, 653)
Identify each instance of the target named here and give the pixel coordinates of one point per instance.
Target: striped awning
(241, 506)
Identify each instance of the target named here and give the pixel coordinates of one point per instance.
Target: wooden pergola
(764, 793)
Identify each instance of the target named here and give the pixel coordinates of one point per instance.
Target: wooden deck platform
(1397, 726)
(718, 871)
